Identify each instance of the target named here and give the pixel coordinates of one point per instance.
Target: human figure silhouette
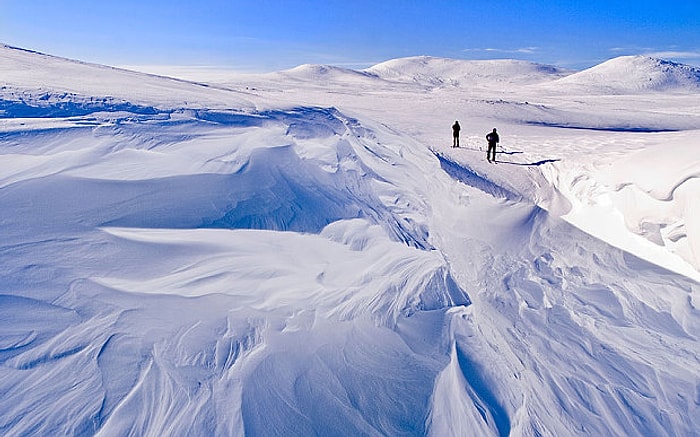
(455, 134)
(492, 138)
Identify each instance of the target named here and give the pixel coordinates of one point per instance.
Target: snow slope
(35, 84)
(431, 71)
(632, 74)
(301, 261)
(325, 75)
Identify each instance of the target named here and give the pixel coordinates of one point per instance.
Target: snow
(631, 74)
(303, 252)
(431, 71)
(77, 88)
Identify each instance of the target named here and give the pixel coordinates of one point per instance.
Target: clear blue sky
(267, 35)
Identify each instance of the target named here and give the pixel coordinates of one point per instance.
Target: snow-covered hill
(431, 71)
(325, 75)
(303, 261)
(36, 84)
(633, 74)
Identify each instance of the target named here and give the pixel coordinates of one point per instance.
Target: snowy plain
(303, 253)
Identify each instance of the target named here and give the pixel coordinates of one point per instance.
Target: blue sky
(266, 35)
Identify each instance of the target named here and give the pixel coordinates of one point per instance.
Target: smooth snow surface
(428, 70)
(303, 253)
(630, 74)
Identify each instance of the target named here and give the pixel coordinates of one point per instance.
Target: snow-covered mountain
(431, 71)
(288, 259)
(634, 74)
(325, 75)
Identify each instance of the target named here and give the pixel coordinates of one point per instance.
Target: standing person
(455, 134)
(492, 138)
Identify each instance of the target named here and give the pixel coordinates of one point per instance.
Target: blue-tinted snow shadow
(70, 108)
(632, 129)
(484, 399)
(470, 177)
(275, 189)
(302, 122)
(272, 201)
(28, 322)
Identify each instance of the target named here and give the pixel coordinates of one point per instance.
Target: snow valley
(303, 253)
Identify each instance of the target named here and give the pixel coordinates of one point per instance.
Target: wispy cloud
(675, 54)
(638, 50)
(524, 50)
(658, 53)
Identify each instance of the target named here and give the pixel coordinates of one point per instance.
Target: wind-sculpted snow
(665, 213)
(266, 267)
(159, 313)
(37, 104)
(536, 309)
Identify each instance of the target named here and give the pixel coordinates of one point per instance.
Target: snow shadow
(484, 399)
(302, 122)
(470, 177)
(611, 128)
(268, 198)
(43, 107)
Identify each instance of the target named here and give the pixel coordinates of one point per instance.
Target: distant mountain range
(622, 75)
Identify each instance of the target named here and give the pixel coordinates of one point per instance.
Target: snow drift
(305, 262)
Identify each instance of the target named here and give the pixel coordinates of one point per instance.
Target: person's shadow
(544, 161)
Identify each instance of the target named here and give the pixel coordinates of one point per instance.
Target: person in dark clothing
(455, 134)
(492, 138)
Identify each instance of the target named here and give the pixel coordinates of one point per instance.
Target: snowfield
(303, 253)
